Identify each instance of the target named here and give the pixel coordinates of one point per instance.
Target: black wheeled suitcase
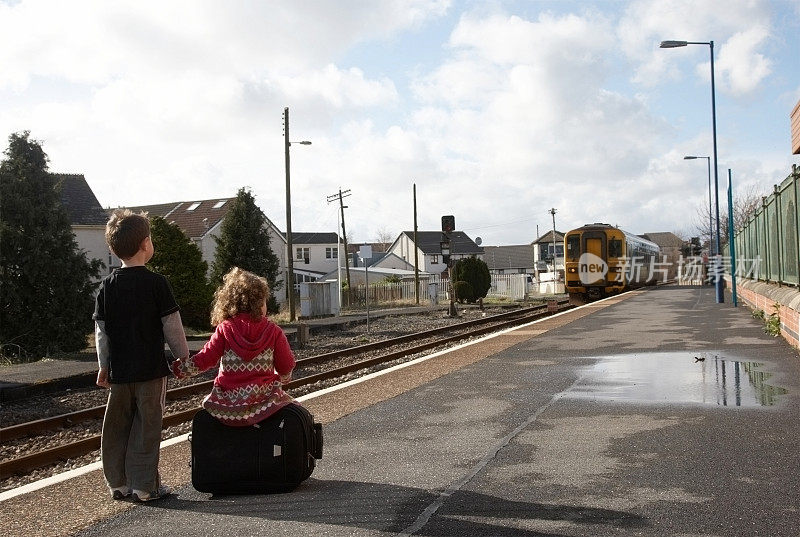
(274, 455)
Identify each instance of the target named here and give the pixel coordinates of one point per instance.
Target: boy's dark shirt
(131, 302)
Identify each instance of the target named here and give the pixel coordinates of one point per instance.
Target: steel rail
(70, 419)
(89, 444)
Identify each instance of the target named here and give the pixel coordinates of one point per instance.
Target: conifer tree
(475, 272)
(245, 243)
(181, 262)
(46, 287)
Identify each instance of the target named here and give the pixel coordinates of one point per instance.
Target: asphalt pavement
(663, 414)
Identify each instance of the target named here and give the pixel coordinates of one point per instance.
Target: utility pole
(289, 247)
(553, 212)
(416, 250)
(340, 196)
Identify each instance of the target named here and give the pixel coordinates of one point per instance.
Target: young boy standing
(135, 312)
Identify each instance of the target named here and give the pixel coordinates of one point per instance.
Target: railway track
(432, 339)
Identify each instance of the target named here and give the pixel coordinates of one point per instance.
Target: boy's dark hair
(125, 232)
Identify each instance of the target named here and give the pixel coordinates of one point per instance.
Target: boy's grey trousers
(132, 434)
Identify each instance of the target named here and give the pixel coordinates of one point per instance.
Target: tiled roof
(313, 238)
(155, 210)
(508, 257)
(548, 237)
(81, 205)
(430, 242)
(195, 218)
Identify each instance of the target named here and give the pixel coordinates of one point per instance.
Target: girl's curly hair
(241, 292)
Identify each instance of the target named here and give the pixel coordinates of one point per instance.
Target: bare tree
(384, 237)
(745, 203)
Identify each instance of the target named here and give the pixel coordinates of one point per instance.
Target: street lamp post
(289, 246)
(718, 257)
(710, 214)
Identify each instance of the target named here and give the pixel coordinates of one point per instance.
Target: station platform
(658, 412)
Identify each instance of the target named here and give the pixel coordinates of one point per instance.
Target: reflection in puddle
(687, 377)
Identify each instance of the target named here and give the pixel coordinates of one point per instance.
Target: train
(601, 260)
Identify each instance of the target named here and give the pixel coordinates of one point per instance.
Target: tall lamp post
(718, 257)
(289, 246)
(710, 215)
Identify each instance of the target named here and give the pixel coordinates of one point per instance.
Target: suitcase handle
(318, 441)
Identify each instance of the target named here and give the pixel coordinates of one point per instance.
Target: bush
(772, 324)
(464, 292)
(46, 280)
(475, 272)
(244, 242)
(181, 262)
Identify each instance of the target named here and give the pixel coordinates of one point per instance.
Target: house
(429, 249)
(87, 219)
(354, 250)
(516, 259)
(315, 255)
(201, 221)
(543, 251)
(376, 273)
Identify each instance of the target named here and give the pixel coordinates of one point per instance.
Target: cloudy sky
(496, 110)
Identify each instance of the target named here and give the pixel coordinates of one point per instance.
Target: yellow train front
(601, 260)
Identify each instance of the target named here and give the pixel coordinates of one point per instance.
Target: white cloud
(496, 116)
(338, 87)
(739, 32)
(742, 67)
(95, 41)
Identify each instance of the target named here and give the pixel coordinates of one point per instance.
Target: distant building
(87, 219)
(429, 249)
(315, 255)
(384, 268)
(543, 252)
(201, 221)
(795, 121)
(353, 250)
(516, 259)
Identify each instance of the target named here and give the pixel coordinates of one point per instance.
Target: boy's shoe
(142, 496)
(120, 493)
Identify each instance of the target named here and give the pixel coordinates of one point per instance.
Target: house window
(434, 259)
(302, 254)
(219, 204)
(193, 206)
(559, 250)
(331, 253)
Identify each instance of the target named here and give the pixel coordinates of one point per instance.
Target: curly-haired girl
(253, 354)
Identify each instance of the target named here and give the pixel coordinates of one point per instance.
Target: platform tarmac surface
(589, 428)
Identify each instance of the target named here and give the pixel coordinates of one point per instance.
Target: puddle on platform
(706, 378)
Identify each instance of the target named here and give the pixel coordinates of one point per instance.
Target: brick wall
(764, 296)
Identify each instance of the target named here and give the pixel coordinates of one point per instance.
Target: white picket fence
(509, 286)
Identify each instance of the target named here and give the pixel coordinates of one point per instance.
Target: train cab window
(573, 246)
(614, 248)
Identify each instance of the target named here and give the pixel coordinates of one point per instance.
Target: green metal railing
(770, 237)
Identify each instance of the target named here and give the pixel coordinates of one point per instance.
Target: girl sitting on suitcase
(253, 354)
